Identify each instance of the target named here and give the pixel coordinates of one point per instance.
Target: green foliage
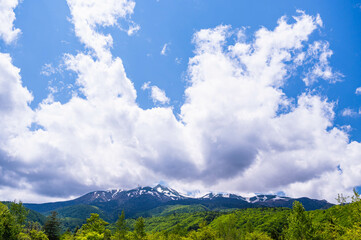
(19, 211)
(226, 227)
(121, 228)
(23, 236)
(356, 196)
(256, 236)
(32, 226)
(67, 236)
(139, 229)
(187, 221)
(300, 225)
(81, 211)
(9, 226)
(94, 224)
(271, 221)
(173, 209)
(35, 217)
(37, 235)
(32, 235)
(52, 226)
(341, 199)
(93, 229)
(179, 222)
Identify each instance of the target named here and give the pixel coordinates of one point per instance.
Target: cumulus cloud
(15, 119)
(232, 106)
(237, 130)
(87, 15)
(7, 17)
(15, 114)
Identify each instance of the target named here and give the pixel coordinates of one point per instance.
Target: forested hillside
(342, 221)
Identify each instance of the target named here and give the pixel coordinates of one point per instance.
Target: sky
(201, 95)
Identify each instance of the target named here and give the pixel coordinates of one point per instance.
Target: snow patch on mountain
(222, 195)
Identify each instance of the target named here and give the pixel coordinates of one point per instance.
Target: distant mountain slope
(143, 201)
(309, 204)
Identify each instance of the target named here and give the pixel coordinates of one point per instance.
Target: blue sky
(163, 59)
(47, 34)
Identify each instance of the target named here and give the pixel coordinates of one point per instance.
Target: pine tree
(121, 228)
(52, 226)
(139, 229)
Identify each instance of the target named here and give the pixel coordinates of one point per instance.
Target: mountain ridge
(142, 199)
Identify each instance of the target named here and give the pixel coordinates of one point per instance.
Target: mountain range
(147, 201)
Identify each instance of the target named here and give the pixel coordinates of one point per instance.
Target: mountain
(113, 201)
(222, 195)
(144, 201)
(159, 192)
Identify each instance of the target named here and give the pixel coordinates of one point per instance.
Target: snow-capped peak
(221, 195)
(169, 192)
(265, 198)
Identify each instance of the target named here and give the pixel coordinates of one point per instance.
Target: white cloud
(157, 94)
(321, 69)
(101, 80)
(231, 109)
(232, 105)
(348, 112)
(231, 136)
(145, 86)
(88, 14)
(133, 29)
(165, 49)
(358, 91)
(48, 69)
(15, 118)
(7, 17)
(15, 114)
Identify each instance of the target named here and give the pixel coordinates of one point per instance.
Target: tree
(356, 196)
(93, 229)
(139, 229)
(121, 227)
(19, 212)
(257, 236)
(94, 224)
(37, 235)
(107, 234)
(300, 225)
(9, 228)
(33, 235)
(52, 226)
(341, 199)
(227, 229)
(30, 225)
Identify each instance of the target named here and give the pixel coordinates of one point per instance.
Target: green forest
(342, 221)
